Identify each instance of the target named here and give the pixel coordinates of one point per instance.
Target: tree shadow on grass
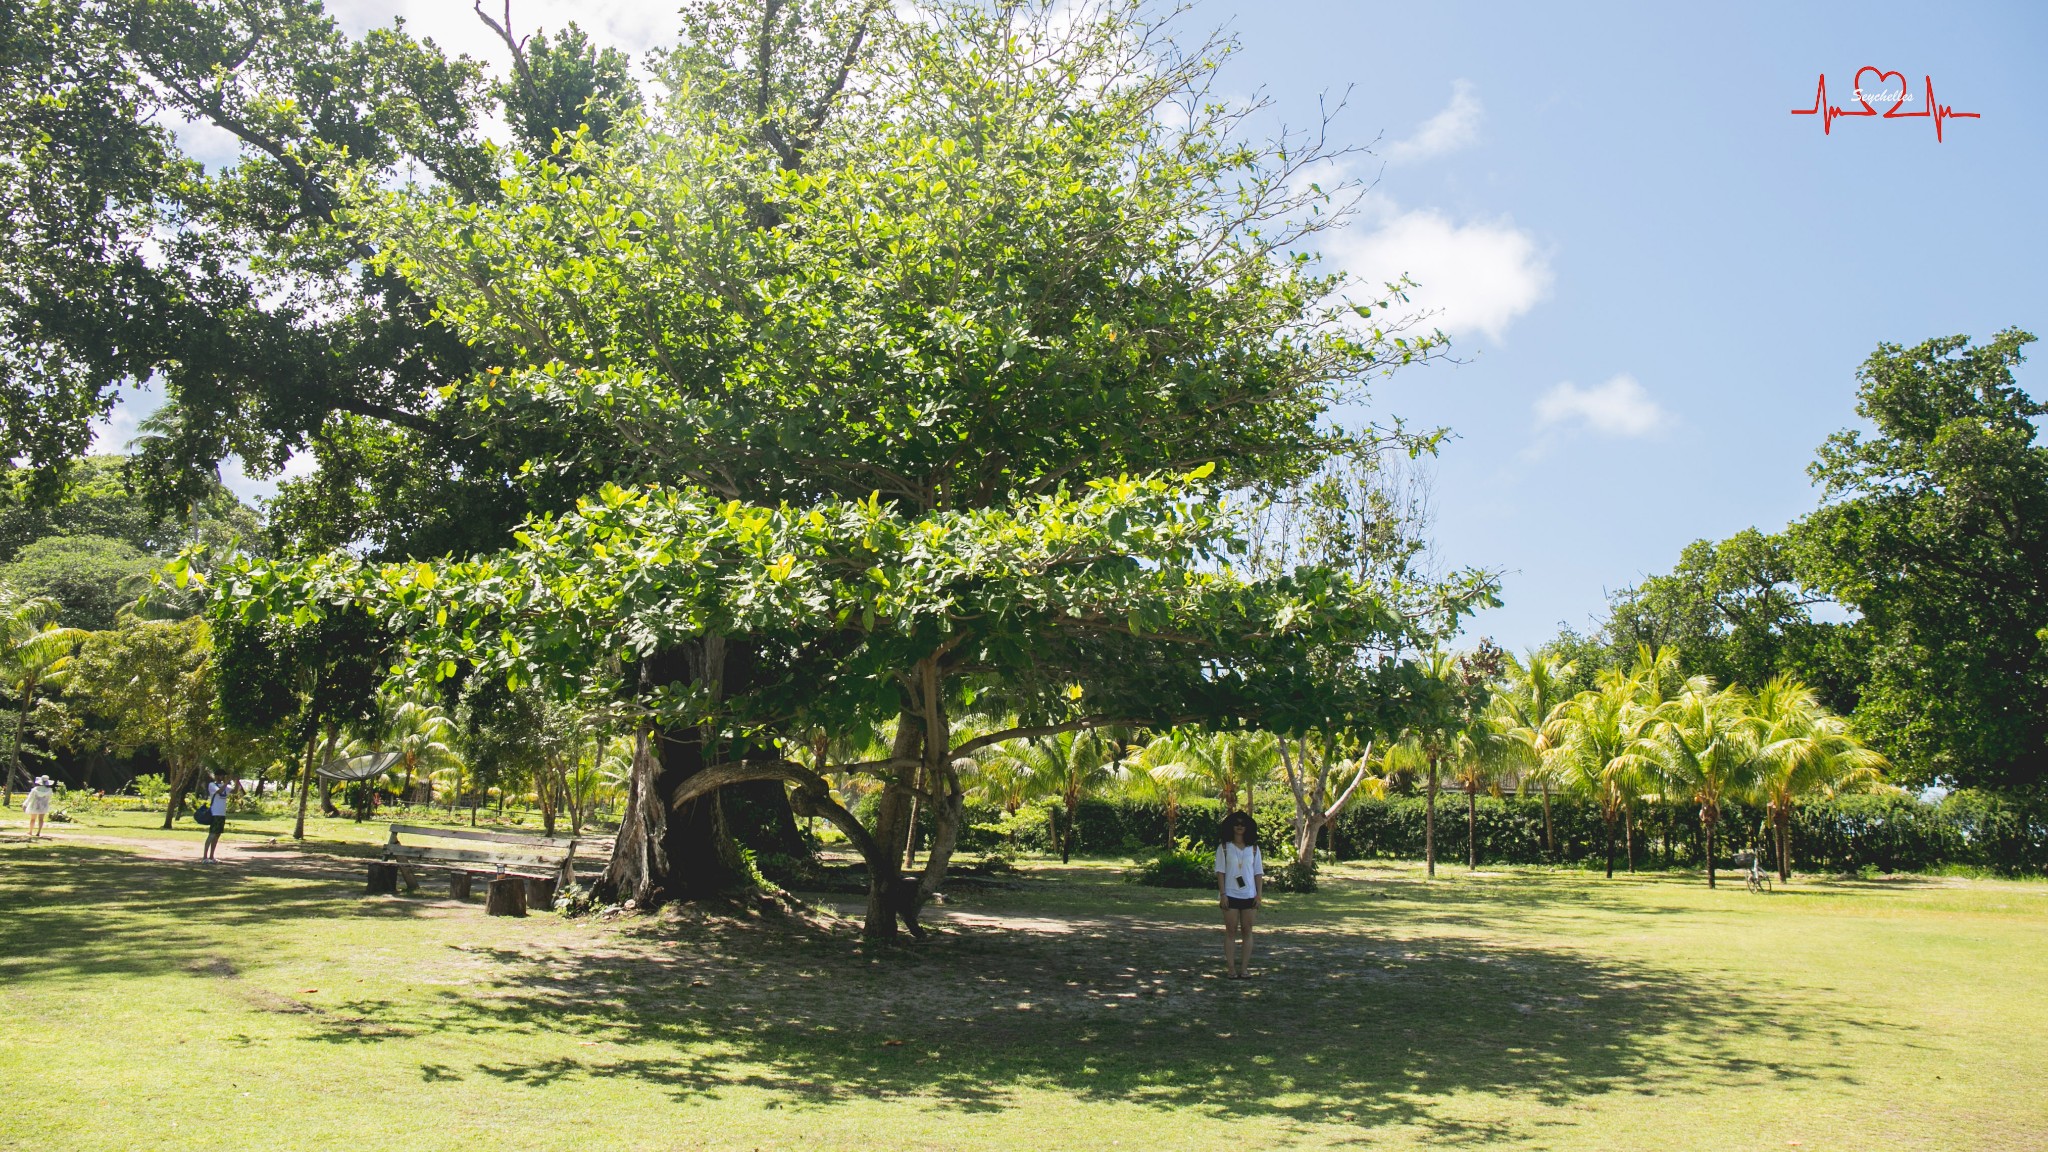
(76, 910)
(1359, 1029)
(1366, 1012)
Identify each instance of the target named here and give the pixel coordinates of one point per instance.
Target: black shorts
(1242, 901)
(218, 822)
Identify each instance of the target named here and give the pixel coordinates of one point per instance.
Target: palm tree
(1163, 769)
(1531, 713)
(1805, 751)
(424, 739)
(1232, 764)
(34, 653)
(1704, 743)
(1478, 758)
(1066, 766)
(1433, 737)
(1598, 750)
(1001, 779)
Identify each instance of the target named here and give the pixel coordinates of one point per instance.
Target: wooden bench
(520, 869)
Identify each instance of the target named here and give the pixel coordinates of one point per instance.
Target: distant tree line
(1914, 599)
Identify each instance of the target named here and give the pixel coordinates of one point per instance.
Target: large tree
(955, 261)
(152, 682)
(1935, 529)
(1737, 612)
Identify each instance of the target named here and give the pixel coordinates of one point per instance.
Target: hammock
(367, 766)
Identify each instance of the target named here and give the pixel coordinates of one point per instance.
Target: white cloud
(1477, 276)
(1447, 131)
(1620, 408)
(633, 25)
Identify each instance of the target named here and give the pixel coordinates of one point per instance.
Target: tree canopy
(1934, 527)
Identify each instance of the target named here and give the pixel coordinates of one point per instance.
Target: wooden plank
(457, 855)
(428, 830)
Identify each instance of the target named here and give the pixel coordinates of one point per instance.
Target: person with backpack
(215, 814)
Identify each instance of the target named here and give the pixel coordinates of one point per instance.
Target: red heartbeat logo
(1928, 110)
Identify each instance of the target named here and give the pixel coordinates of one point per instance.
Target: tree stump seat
(507, 896)
(383, 879)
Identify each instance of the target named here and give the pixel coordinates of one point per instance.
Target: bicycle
(1753, 871)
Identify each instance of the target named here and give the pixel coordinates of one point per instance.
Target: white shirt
(1240, 869)
(219, 792)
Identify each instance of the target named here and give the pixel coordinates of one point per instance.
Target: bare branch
(518, 46)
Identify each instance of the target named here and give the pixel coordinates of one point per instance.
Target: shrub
(788, 871)
(1292, 876)
(1893, 833)
(1182, 867)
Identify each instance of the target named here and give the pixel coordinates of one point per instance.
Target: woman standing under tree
(1240, 883)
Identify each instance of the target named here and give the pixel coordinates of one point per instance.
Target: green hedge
(1889, 833)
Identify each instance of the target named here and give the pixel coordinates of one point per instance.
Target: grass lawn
(147, 1002)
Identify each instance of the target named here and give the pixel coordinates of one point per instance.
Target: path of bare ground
(1373, 998)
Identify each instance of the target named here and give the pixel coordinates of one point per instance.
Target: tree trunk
(942, 780)
(946, 820)
(306, 780)
(14, 761)
(1628, 837)
(893, 810)
(1783, 820)
(1707, 827)
(1607, 824)
(1067, 841)
(1549, 840)
(697, 849)
(548, 796)
(1305, 840)
(1471, 828)
(1429, 824)
(175, 800)
(639, 863)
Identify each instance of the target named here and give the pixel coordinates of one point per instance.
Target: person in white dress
(37, 805)
(1240, 886)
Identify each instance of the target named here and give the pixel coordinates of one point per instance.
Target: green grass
(1516, 1009)
(122, 817)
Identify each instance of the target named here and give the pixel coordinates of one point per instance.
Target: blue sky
(1659, 281)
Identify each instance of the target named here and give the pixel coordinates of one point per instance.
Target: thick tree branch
(980, 742)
